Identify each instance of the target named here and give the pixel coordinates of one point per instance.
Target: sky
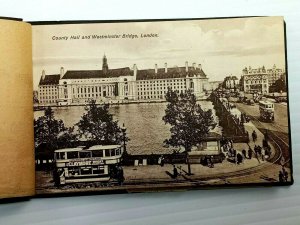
(223, 46)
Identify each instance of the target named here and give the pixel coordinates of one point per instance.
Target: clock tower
(104, 65)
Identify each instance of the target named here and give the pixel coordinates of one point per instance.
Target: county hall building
(119, 85)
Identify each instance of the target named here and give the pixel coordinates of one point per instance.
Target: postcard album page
(143, 105)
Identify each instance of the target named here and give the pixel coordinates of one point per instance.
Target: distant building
(121, 84)
(48, 89)
(275, 74)
(261, 79)
(255, 80)
(35, 96)
(231, 83)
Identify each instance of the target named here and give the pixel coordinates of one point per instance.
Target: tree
(51, 134)
(97, 125)
(190, 124)
(280, 85)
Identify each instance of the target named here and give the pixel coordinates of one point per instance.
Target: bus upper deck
(81, 164)
(266, 105)
(106, 152)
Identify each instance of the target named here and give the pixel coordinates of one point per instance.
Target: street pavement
(152, 173)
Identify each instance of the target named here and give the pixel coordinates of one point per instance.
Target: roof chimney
(43, 74)
(155, 68)
(186, 66)
(62, 72)
(200, 66)
(166, 67)
(194, 65)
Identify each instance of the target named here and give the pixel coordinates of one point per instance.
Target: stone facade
(255, 80)
(260, 79)
(123, 84)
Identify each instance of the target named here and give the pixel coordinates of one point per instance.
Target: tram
(266, 110)
(95, 164)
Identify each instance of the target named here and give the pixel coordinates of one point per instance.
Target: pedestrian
(263, 154)
(254, 135)
(285, 174)
(232, 152)
(259, 150)
(225, 148)
(162, 161)
(255, 149)
(241, 123)
(239, 158)
(249, 153)
(268, 151)
(266, 136)
(264, 143)
(231, 143)
(120, 175)
(208, 161)
(211, 163)
(175, 172)
(244, 153)
(256, 153)
(180, 171)
(159, 160)
(280, 176)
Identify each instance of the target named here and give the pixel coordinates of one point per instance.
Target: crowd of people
(261, 153)
(230, 153)
(283, 175)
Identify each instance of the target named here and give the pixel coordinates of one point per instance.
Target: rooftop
(103, 147)
(50, 79)
(88, 74)
(173, 72)
(145, 74)
(68, 150)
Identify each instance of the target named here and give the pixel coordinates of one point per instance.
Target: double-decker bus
(94, 164)
(266, 110)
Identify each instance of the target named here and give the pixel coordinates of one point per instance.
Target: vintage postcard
(141, 105)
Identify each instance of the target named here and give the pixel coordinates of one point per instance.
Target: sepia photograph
(160, 105)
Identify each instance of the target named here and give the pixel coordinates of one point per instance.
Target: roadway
(279, 129)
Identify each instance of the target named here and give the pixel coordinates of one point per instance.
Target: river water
(145, 127)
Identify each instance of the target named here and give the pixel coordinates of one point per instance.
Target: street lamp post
(189, 165)
(123, 128)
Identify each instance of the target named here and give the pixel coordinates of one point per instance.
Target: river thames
(145, 127)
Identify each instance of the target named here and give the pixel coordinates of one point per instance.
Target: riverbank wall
(233, 127)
